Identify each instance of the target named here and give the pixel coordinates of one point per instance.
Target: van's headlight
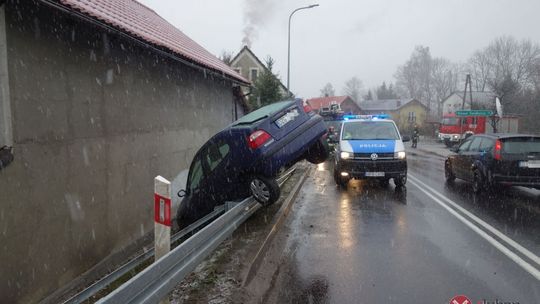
(345, 155)
(400, 155)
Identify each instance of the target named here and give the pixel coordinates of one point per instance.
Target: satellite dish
(498, 106)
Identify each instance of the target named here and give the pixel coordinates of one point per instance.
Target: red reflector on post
(258, 138)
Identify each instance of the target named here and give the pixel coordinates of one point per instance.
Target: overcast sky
(344, 38)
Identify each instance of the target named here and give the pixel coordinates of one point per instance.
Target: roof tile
(142, 22)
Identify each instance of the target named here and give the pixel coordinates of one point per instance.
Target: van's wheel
(340, 181)
(265, 190)
(318, 152)
(400, 181)
(448, 173)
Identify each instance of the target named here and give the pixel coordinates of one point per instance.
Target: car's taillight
(307, 108)
(498, 148)
(258, 138)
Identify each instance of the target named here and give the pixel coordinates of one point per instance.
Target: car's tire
(400, 181)
(478, 182)
(384, 182)
(449, 175)
(318, 152)
(264, 189)
(340, 181)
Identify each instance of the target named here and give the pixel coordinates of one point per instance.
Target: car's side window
(216, 153)
(196, 174)
(465, 146)
(475, 144)
(486, 145)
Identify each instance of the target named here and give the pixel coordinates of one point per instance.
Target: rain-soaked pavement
(368, 244)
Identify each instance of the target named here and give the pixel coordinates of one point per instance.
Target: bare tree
(353, 88)
(511, 65)
(414, 77)
(480, 68)
(226, 57)
(445, 76)
(328, 90)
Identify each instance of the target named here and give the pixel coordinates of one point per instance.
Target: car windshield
(261, 113)
(364, 130)
(521, 145)
(449, 121)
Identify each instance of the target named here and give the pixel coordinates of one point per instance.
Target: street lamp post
(289, 45)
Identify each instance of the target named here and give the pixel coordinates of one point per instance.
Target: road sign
(474, 113)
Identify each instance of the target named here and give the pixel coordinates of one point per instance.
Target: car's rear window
(261, 113)
(365, 130)
(520, 145)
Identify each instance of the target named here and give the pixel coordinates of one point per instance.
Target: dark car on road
(246, 157)
(496, 159)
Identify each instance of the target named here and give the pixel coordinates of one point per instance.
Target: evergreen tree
(266, 89)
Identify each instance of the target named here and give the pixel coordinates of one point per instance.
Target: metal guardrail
(159, 279)
(250, 206)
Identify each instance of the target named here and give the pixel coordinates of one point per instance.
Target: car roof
(507, 135)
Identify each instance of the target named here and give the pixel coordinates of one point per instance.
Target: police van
(370, 147)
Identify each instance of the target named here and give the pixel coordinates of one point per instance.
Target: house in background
(480, 101)
(346, 103)
(405, 112)
(250, 67)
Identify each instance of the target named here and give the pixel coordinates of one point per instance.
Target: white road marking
(514, 257)
(482, 223)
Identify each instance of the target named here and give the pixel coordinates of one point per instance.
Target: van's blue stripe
(372, 146)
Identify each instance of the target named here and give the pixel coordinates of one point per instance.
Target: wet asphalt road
(368, 244)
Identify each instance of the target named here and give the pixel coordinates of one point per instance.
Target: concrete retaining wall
(95, 118)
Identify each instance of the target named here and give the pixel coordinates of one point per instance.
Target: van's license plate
(375, 174)
(530, 164)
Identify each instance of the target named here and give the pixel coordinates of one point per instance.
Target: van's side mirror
(405, 138)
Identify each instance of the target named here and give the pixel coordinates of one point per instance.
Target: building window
(412, 117)
(254, 74)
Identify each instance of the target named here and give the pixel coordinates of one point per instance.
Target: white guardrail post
(162, 219)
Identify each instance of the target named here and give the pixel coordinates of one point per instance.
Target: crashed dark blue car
(246, 157)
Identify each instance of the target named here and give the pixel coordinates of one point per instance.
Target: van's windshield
(365, 130)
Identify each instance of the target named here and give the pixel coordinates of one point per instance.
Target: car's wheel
(448, 173)
(400, 181)
(340, 181)
(318, 152)
(384, 182)
(265, 190)
(477, 183)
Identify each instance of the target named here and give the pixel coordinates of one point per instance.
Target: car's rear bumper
(525, 181)
(358, 168)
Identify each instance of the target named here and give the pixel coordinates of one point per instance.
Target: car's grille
(379, 155)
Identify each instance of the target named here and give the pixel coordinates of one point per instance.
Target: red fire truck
(453, 128)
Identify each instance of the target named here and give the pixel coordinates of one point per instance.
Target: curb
(278, 222)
